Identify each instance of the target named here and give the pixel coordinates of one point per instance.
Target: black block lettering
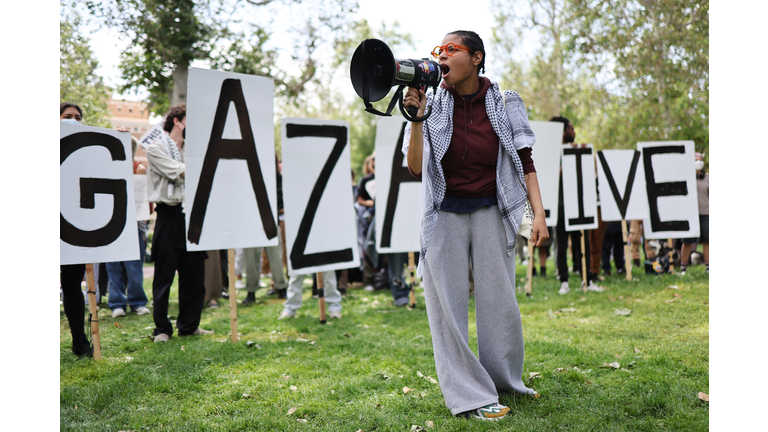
(656, 190)
(220, 148)
(89, 187)
(400, 175)
(622, 203)
(578, 152)
(298, 258)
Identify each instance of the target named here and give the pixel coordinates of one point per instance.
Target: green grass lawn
(350, 375)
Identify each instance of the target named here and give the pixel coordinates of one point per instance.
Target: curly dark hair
(179, 112)
(474, 43)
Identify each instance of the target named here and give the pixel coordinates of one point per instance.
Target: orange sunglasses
(450, 49)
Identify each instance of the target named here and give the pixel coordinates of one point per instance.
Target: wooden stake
(232, 294)
(583, 264)
(671, 244)
(529, 274)
(627, 258)
(94, 310)
(321, 296)
(412, 272)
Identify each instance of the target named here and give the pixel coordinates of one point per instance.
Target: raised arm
(416, 97)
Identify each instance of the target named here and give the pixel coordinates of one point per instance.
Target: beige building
(133, 116)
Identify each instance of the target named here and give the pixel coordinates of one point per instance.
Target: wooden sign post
(583, 264)
(627, 258)
(94, 310)
(232, 294)
(321, 296)
(529, 274)
(671, 245)
(412, 272)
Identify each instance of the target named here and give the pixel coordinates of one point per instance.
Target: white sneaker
(335, 314)
(118, 312)
(142, 310)
(239, 284)
(593, 287)
(368, 288)
(286, 314)
(564, 288)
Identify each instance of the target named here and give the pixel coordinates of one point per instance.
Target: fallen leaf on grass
(417, 428)
(333, 391)
(637, 350)
(551, 315)
(128, 358)
(419, 336)
(382, 375)
(419, 374)
(149, 328)
(292, 410)
(625, 370)
(301, 420)
(432, 380)
(533, 375)
(429, 424)
(567, 310)
(703, 396)
(583, 320)
(670, 301)
(674, 287)
(678, 295)
(303, 340)
(614, 365)
(561, 370)
(293, 388)
(246, 395)
(378, 406)
(622, 312)
(182, 348)
(117, 324)
(406, 390)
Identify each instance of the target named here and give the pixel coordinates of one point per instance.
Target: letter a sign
(231, 189)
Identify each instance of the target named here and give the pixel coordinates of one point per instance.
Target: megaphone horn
(374, 70)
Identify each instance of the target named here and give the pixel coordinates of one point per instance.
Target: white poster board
(546, 158)
(398, 199)
(621, 184)
(320, 218)
(154, 134)
(673, 208)
(579, 188)
(97, 212)
(141, 197)
(231, 184)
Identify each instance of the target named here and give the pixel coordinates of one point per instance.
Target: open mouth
(444, 69)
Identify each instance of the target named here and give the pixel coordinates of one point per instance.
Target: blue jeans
(135, 272)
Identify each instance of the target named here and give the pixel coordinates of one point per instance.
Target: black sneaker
(250, 298)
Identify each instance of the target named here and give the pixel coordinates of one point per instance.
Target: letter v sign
(621, 202)
(220, 148)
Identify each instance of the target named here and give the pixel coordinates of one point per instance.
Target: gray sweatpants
(252, 258)
(468, 383)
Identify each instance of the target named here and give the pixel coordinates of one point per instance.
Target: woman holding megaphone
(474, 154)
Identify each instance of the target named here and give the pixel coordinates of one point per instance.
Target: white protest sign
(579, 188)
(97, 215)
(141, 197)
(320, 219)
(154, 134)
(399, 199)
(231, 184)
(621, 184)
(546, 158)
(673, 210)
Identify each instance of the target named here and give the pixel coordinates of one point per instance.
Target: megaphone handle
(412, 111)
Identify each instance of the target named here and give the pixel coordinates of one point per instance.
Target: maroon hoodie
(470, 161)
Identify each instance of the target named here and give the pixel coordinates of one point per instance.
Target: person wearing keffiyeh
(474, 157)
(165, 159)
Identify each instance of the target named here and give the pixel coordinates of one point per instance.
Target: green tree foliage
(622, 71)
(78, 82)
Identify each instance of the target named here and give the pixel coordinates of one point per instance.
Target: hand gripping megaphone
(374, 70)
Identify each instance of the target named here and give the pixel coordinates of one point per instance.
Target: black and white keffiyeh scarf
(514, 133)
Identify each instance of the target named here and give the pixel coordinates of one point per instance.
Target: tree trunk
(180, 75)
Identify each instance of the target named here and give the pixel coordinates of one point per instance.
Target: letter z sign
(320, 219)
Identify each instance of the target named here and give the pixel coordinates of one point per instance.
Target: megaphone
(374, 70)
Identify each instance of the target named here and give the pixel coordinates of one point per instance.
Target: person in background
(274, 253)
(366, 191)
(165, 181)
(702, 190)
(569, 136)
(613, 241)
(118, 301)
(72, 275)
